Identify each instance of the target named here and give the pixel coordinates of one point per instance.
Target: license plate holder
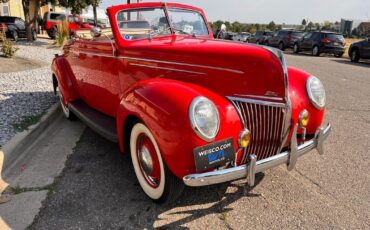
(214, 155)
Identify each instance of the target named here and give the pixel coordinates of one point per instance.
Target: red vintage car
(189, 109)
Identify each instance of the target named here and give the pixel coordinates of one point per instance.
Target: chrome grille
(265, 120)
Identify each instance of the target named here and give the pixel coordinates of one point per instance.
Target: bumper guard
(249, 170)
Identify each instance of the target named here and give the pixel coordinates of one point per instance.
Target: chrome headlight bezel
(317, 104)
(197, 129)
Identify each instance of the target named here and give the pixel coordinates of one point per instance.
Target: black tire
(315, 51)
(296, 49)
(355, 55)
(281, 46)
(155, 179)
(52, 33)
(34, 35)
(15, 36)
(338, 55)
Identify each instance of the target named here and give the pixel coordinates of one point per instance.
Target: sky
(279, 11)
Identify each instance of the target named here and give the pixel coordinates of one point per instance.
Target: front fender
(300, 100)
(64, 76)
(163, 104)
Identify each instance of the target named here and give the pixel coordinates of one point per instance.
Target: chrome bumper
(248, 171)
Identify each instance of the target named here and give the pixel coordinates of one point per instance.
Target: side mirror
(95, 32)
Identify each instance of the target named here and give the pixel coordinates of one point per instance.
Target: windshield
(335, 36)
(187, 22)
(142, 23)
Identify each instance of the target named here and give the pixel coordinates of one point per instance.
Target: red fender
(64, 75)
(300, 100)
(163, 104)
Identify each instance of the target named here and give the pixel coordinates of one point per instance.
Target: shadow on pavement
(98, 189)
(362, 63)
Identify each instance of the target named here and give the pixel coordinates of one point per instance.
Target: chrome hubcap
(354, 55)
(146, 160)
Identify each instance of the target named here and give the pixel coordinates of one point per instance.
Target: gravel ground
(27, 94)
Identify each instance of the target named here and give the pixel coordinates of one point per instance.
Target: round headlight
(204, 118)
(316, 92)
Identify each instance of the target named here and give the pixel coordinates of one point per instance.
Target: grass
(26, 122)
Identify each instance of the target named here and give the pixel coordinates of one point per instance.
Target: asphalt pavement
(99, 190)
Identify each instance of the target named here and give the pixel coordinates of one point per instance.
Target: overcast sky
(283, 11)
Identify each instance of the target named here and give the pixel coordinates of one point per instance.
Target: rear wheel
(281, 46)
(355, 55)
(156, 180)
(67, 113)
(52, 33)
(315, 51)
(296, 48)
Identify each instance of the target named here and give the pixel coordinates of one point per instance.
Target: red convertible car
(189, 109)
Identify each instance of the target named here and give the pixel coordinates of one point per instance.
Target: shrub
(62, 33)
(7, 48)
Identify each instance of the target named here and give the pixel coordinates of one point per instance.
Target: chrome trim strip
(252, 101)
(162, 62)
(183, 64)
(230, 174)
(165, 68)
(260, 97)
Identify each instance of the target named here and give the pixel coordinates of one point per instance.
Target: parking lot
(98, 187)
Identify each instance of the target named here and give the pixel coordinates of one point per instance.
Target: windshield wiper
(184, 32)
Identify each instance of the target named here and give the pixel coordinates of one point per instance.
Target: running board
(99, 122)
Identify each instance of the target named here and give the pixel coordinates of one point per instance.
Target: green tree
(236, 26)
(271, 26)
(304, 22)
(327, 25)
(310, 25)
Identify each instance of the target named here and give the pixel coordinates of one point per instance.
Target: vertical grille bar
(265, 121)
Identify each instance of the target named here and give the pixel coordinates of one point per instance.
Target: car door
(306, 42)
(97, 75)
(366, 49)
(273, 41)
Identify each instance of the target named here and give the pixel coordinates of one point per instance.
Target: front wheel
(156, 180)
(296, 48)
(15, 36)
(355, 56)
(281, 46)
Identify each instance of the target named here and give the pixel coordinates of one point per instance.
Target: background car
(284, 39)
(360, 50)
(321, 42)
(52, 19)
(16, 28)
(260, 37)
(243, 36)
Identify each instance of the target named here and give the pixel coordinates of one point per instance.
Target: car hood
(225, 67)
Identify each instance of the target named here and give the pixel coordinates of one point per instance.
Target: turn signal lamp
(245, 138)
(304, 118)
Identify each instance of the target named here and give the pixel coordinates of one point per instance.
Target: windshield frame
(190, 10)
(163, 6)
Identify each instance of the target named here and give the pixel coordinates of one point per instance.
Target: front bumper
(249, 170)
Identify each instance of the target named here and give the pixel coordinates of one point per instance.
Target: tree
(236, 26)
(310, 26)
(304, 22)
(271, 26)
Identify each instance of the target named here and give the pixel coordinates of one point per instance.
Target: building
(12, 8)
(364, 29)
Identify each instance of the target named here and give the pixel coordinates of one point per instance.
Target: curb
(16, 146)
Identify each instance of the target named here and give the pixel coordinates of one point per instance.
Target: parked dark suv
(284, 39)
(321, 42)
(360, 50)
(15, 28)
(260, 37)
